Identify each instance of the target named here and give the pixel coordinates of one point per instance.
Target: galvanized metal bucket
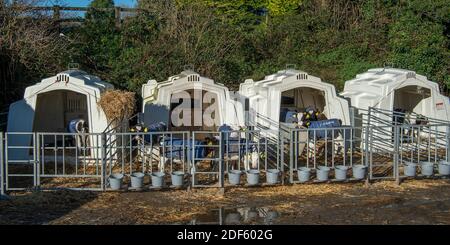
(253, 177)
(322, 173)
(177, 178)
(410, 169)
(137, 179)
(444, 168)
(272, 176)
(427, 168)
(304, 174)
(340, 172)
(157, 179)
(115, 181)
(359, 171)
(234, 177)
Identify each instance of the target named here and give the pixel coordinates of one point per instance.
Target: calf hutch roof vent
(62, 78)
(302, 76)
(194, 78)
(411, 74)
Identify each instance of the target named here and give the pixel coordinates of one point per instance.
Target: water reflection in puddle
(232, 216)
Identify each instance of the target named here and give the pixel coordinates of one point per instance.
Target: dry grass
(413, 202)
(118, 104)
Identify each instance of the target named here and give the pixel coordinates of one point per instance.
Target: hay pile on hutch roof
(118, 105)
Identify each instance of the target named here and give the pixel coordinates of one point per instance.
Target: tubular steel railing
(86, 161)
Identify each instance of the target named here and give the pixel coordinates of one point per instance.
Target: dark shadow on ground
(41, 207)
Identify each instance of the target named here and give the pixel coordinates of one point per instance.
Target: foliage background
(233, 40)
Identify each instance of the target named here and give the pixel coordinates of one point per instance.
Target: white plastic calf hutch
(186, 101)
(390, 89)
(293, 90)
(50, 105)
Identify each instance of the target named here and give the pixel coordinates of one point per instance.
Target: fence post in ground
(396, 154)
(2, 168)
(281, 152)
(37, 159)
(222, 160)
(291, 157)
(447, 146)
(103, 161)
(367, 159)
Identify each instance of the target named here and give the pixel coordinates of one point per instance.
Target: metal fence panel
(314, 148)
(69, 160)
(132, 152)
(209, 159)
(20, 161)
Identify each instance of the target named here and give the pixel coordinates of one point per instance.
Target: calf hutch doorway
(298, 99)
(412, 99)
(194, 110)
(190, 102)
(273, 100)
(56, 109)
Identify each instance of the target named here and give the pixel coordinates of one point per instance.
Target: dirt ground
(413, 202)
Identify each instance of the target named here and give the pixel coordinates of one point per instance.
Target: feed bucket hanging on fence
(340, 172)
(234, 177)
(427, 168)
(115, 181)
(177, 178)
(322, 173)
(444, 168)
(410, 169)
(359, 171)
(272, 176)
(137, 180)
(157, 179)
(304, 174)
(253, 177)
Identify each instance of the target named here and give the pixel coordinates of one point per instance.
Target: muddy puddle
(236, 216)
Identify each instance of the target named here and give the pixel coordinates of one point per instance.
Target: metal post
(366, 153)
(396, 154)
(447, 138)
(221, 160)
(103, 162)
(37, 159)
(291, 158)
(281, 151)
